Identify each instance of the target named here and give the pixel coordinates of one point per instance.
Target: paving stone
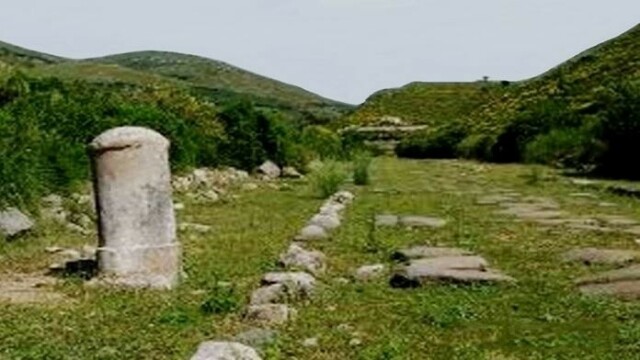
(624, 274)
(422, 221)
(312, 233)
(416, 278)
(418, 252)
(449, 262)
(326, 221)
(270, 314)
(626, 290)
(590, 256)
(386, 220)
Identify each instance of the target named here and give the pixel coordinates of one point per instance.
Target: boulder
(326, 221)
(270, 294)
(422, 275)
(386, 220)
(291, 173)
(312, 232)
(309, 260)
(219, 350)
(270, 314)
(298, 283)
(269, 169)
(13, 223)
(626, 290)
(369, 272)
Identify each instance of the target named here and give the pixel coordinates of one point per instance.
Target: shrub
(361, 167)
(325, 180)
(476, 146)
(322, 142)
(440, 144)
(567, 147)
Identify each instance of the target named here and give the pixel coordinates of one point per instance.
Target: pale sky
(342, 49)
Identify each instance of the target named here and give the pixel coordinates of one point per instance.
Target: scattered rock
(386, 220)
(607, 204)
(309, 260)
(295, 282)
(624, 274)
(495, 199)
(269, 169)
(326, 221)
(618, 220)
(422, 221)
(77, 228)
(312, 232)
(448, 262)
(14, 223)
(249, 187)
(369, 272)
(218, 350)
(342, 197)
(194, 227)
(270, 294)
(590, 256)
(418, 252)
(355, 342)
(209, 196)
(178, 206)
(419, 276)
(584, 195)
(257, 338)
(291, 173)
(272, 314)
(331, 208)
(311, 342)
(52, 201)
(53, 249)
(583, 182)
(633, 230)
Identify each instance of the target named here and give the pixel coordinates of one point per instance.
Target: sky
(342, 49)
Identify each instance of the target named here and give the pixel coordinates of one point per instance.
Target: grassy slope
(13, 54)
(580, 77)
(542, 317)
(424, 103)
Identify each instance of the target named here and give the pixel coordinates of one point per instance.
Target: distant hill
(577, 80)
(425, 103)
(206, 78)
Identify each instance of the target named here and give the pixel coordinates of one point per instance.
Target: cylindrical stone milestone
(137, 228)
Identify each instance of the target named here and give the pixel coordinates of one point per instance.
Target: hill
(578, 81)
(425, 103)
(13, 54)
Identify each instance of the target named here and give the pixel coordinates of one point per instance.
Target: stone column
(137, 228)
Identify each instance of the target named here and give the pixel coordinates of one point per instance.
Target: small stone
(178, 206)
(194, 227)
(355, 342)
(270, 294)
(386, 220)
(14, 223)
(53, 249)
(342, 197)
(271, 314)
(326, 221)
(418, 252)
(297, 257)
(369, 272)
(626, 290)
(312, 232)
(331, 208)
(422, 221)
(257, 338)
(77, 228)
(52, 201)
(70, 254)
(591, 256)
(218, 350)
(310, 342)
(210, 196)
(297, 283)
(270, 169)
(249, 187)
(291, 173)
(583, 182)
(607, 204)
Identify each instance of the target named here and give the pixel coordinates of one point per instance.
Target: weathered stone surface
(422, 221)
(326, 221)
(309, 260)
(312, 232)
(601, 256)
(299, 283)
(387, 220)
(626, 290)
(270, 294)
(418, 252)
(417, 277)
(138, 245)
(257, 338)
(369, 272)
(448, 262)
(13, 222)
(624, 274)
(218, 350)
(270, 314)
(270, 169)
(291, 173)
(342, 197)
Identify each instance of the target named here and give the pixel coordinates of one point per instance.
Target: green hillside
(13, 54)
(425, 103)
(578, 81)
(222, 82)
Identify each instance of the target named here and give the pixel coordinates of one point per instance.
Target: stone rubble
(14, 223)
(221, 350)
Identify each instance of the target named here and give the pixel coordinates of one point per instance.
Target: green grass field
(542, 316)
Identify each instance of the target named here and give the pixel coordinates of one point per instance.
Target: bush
(439, 144)
(326, 179)
(567, 147)
(322, 142)
(476, 146)
(361, 165)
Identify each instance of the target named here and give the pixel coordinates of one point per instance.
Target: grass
(325, 180)
(541, 317)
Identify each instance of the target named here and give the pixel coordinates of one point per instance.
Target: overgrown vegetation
(362, 168)
(326, 179)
